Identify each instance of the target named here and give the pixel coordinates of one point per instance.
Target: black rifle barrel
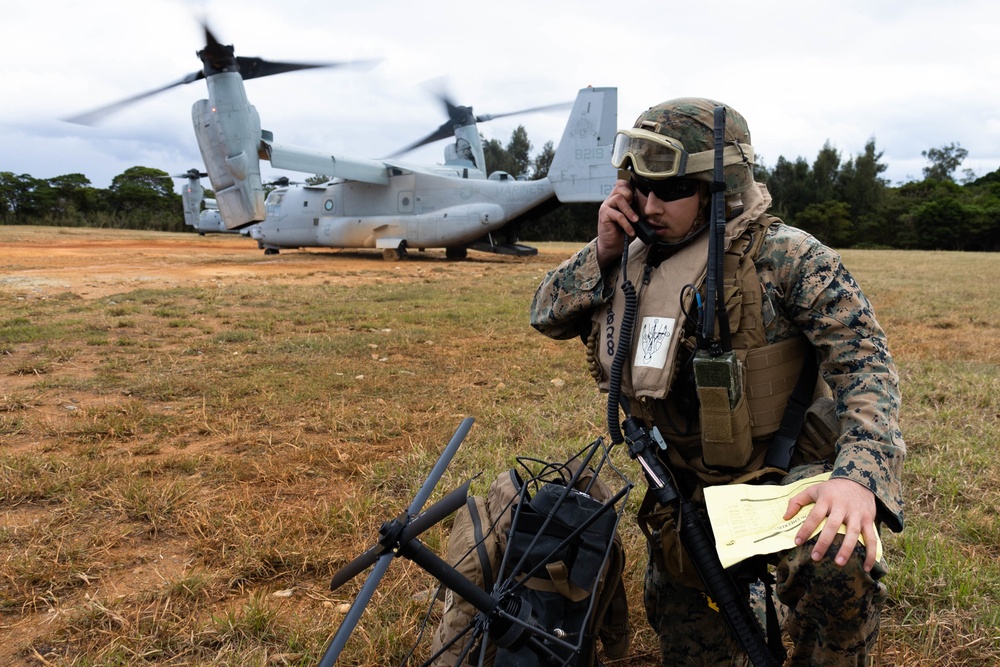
(733, 604)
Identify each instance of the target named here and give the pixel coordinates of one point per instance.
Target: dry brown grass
(194, 438)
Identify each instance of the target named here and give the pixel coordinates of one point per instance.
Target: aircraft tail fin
(581, 168)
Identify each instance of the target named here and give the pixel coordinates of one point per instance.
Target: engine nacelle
(228, 131)
(192, 198)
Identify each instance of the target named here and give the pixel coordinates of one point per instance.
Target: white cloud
(914, 75)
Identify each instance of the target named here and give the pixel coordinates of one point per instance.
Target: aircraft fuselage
(420, 207)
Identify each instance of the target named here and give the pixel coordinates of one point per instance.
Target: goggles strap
(733, 154)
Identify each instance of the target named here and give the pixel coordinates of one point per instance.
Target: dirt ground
(93, 263)
(42, 262)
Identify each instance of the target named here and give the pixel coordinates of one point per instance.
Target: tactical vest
(770, 371)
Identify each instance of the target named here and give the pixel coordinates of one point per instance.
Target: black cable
(621, 354)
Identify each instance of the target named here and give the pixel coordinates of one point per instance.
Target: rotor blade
(96, 115)
(548, 107)
(190, 173)
(459, 116)
(254, 68)
(445, 131)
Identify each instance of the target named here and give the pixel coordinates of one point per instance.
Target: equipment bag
(559, 590)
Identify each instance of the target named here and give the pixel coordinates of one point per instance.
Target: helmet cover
(691, 121)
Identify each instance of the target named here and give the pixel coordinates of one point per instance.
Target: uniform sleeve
(568, 295)
(827, 305)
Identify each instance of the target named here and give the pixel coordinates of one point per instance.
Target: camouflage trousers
(830, 614)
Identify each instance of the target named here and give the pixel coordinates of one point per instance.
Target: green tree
(73, 197)
(825, 173)
(940, 224)
(566, 222)
(513, 158)
(861, 183)
(19, 203)
(495, 156)
(864, 190)
(790, 185)
(144, 198)
(519, 152)
(828, 221)
(761, 173)
(943, 162)
(900, 213)
(543, 162)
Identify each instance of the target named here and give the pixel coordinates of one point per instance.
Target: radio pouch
(724, 413)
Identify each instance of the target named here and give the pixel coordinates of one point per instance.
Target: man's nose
(652, 206)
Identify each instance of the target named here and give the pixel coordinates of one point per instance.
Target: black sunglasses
(669, 189)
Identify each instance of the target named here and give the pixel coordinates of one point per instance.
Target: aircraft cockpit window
(464, 150)
(274, 199)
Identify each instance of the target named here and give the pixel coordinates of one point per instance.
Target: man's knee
(690, 631)
(832, 610)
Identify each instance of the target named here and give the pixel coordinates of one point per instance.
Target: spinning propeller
(215, 57)
(461, 116)
(190, 173)
(282, 182)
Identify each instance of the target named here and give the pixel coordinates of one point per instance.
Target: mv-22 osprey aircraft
(382, 203)
(207, 220)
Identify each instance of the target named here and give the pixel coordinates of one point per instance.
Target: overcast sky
(912, 74)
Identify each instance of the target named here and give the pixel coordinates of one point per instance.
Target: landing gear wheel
(456, 253)
(394, 254)
(270, 251)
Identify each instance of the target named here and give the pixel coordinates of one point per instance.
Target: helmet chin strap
(734, 205)
(661, 250)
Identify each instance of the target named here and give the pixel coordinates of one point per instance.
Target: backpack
(514, 531)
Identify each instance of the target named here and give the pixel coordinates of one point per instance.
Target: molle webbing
(771, 373)
(743, 291)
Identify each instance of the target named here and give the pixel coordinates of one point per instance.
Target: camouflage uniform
(832, 612)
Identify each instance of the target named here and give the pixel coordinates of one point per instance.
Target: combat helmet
(676, 139)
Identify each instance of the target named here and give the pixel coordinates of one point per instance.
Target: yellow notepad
(748, 519)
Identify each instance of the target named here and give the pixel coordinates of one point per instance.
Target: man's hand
(614, 221)
(842, 503)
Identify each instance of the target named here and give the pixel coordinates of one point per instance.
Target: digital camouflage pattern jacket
(806, 291)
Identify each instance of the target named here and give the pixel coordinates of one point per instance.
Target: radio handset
(643, 230)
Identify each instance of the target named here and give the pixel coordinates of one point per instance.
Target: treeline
(139, 198)
(848, 204)
(843, 202)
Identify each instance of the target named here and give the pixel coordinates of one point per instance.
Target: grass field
(185, 463)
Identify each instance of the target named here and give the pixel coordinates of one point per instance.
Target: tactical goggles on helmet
(653, 155)
(657, 156)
